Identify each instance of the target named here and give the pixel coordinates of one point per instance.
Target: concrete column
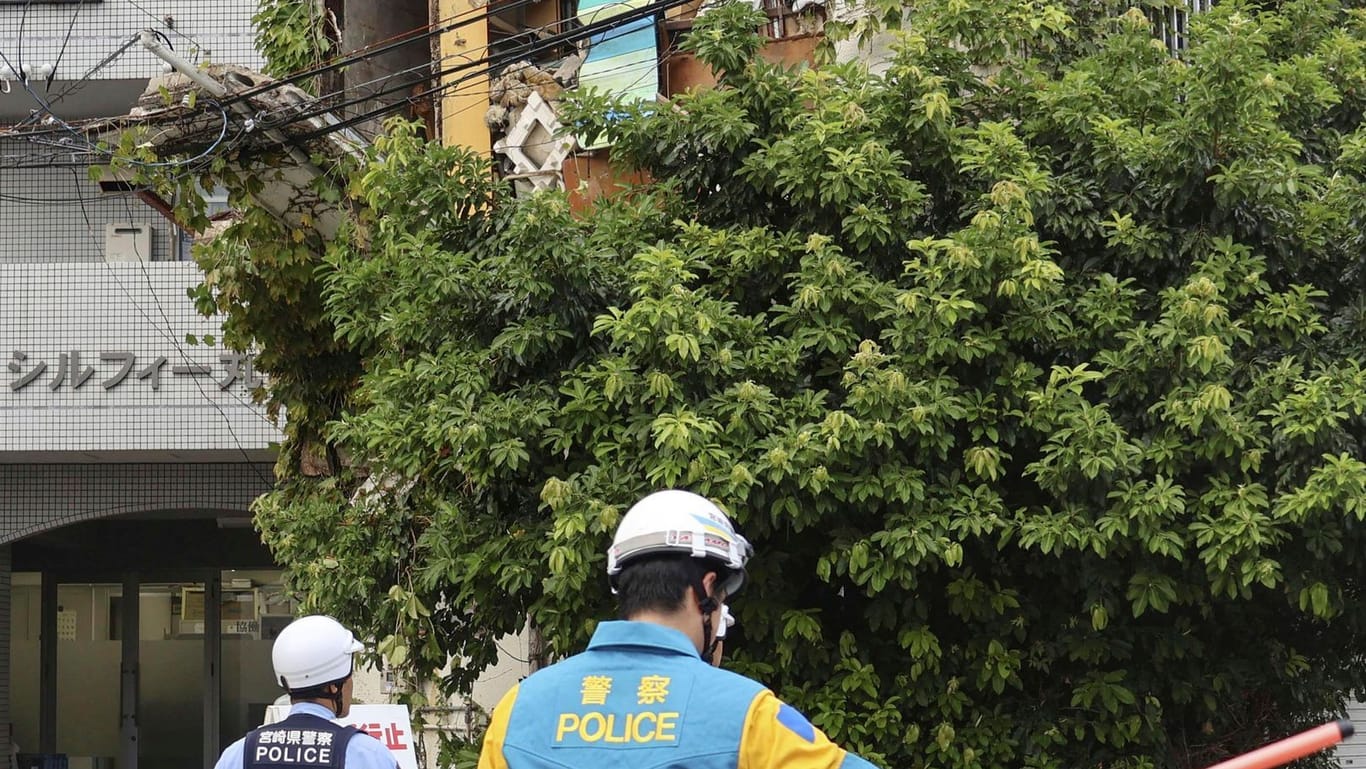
(131, 621)
(213, 656)
(47, 662)
(404, 70)
(463, 106)
(6, 739)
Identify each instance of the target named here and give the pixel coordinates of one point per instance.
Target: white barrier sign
(390, 724)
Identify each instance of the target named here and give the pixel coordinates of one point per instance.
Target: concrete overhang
(73, 101)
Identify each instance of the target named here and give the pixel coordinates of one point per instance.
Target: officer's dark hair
(660, 583)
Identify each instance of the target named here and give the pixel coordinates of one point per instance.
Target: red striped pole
(1291, 748)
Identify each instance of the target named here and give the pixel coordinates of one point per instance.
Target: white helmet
(313, 651)
(677, 521)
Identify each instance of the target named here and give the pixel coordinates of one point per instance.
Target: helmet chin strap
(707, 605)
(337, 699)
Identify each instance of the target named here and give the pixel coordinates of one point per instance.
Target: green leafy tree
(293, 35)
(1033, 368)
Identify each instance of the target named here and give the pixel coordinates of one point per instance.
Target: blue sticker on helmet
(710, 524)
(796, 722)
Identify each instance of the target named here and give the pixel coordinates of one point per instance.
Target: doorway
(168, 695)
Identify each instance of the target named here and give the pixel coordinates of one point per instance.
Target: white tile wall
(42, 497)
(213, 30)
(91, 309)
(58, 214)
(1351, 752)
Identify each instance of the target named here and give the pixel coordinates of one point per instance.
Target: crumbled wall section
(42, 497)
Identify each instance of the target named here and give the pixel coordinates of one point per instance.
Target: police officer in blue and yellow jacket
(313, 659)
(646, 692)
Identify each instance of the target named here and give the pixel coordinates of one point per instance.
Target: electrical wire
(233, 142)
(20, 73)
(184, 356)
(28, 201)
(23, 78)
(191, 168)
(170, 336)
(439, 27)
(213, 147)
(509, 57)
(426, 65)
(485, 66)
(223, 132)
(74, 16)
(106, 61)
(333, 127)
(482, 67)
(490, 63)
(464, 18)
(168, 332)
(96, 149)
(46, 111)
(664, 58)
(50, 159)
(47, 160)
(186, 164)
(85, 153)
(160, 20)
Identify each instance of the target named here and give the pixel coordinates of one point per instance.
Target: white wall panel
(173, 396)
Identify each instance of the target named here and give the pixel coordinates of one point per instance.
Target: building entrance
(153, 668)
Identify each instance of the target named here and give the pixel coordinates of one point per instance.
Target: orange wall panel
(683, 71)
(590, 176)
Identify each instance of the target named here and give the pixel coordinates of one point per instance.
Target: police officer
(645, 692)
(313, 660)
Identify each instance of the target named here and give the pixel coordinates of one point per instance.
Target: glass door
(255, 609)
(171, 620)
(88, 662)
(164, 682)
(73, 676)
(25, 652)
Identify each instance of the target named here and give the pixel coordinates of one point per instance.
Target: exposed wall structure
(395, 76)
(634, 59)
(464, 103)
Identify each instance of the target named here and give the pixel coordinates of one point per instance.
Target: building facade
(134, 444)
(132, 448)
(501, 69)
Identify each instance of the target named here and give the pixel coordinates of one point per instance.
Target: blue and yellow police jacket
(641, 696)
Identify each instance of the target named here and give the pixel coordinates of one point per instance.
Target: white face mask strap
(727, 621)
